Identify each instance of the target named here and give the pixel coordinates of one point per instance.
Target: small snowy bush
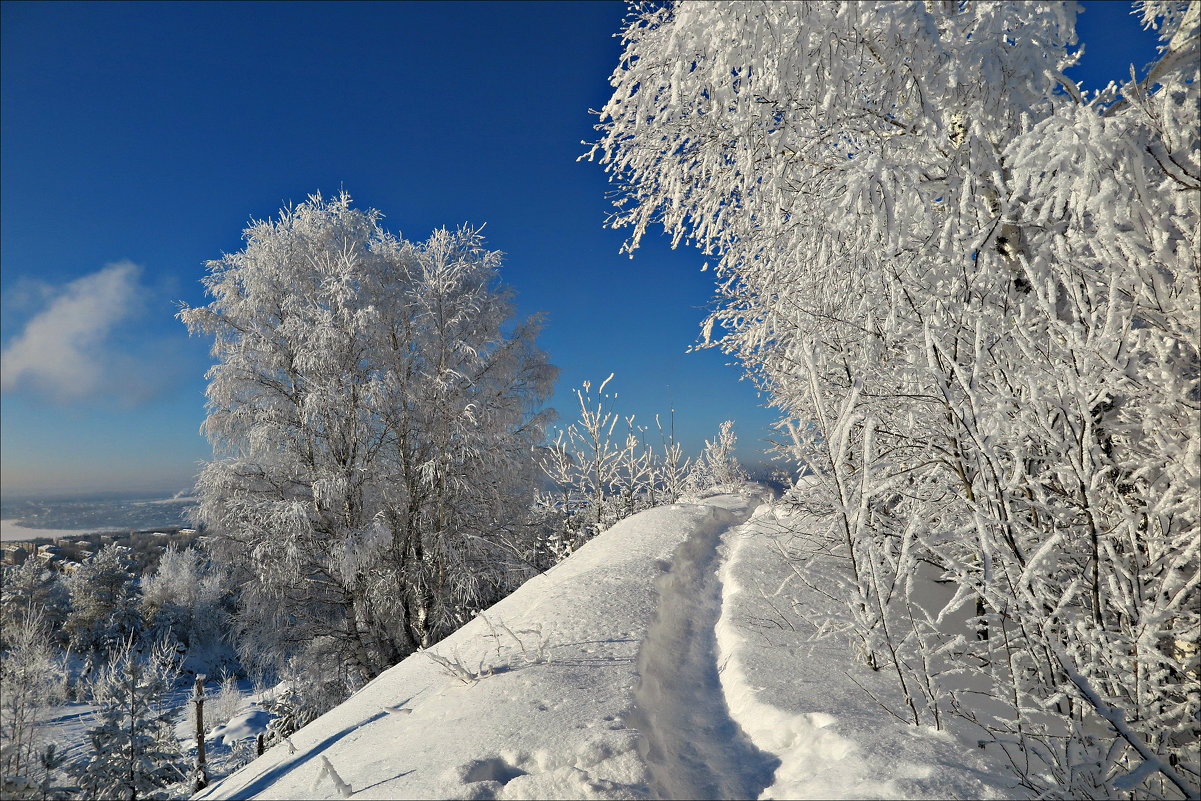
(599, 478)
(225, 703)
(219, 706)
(717, 465)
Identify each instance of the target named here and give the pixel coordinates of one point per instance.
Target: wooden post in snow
(200, 777)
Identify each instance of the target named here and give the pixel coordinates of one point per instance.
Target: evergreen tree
(104, 601)
(134, 750)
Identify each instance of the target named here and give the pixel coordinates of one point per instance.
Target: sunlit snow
(663, 659)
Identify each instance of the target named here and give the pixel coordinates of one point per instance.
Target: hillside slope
(660, 660)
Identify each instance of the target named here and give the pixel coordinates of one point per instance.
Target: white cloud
(62, 351)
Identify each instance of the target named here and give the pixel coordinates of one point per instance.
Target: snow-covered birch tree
(373, 410)
(188, 600)
(971, 288)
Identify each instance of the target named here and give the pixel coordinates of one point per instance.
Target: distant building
(13, 554)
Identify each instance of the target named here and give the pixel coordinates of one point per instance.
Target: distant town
(65, 554)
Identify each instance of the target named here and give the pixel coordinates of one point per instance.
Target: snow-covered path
(667, 658)
(692, 746)
(551, 714)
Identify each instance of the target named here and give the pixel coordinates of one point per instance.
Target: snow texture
(801, 697)
(630, 670)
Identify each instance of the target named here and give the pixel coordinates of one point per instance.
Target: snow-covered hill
(664, 659)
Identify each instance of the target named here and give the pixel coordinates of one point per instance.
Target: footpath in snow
(664, 659)
(693, 748)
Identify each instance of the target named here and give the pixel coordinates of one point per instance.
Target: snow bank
(250, 721)
(796, 695)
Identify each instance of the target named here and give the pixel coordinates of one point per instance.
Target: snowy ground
(664, 659)
(67, 727)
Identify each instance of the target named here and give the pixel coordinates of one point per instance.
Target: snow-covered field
(665, 658)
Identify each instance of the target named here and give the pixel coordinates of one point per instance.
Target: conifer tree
(104, 602)
(134, 751)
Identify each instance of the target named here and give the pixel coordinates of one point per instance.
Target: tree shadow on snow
(270, 777)
(385, 781)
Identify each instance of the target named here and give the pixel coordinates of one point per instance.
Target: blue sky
(136, 140)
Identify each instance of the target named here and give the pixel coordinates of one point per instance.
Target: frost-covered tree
(672, 469)
(31, 675)
(31, 588)
(373, 409)
(971, 288)
(598, 477)
(598, 456)
(104, 602)
(134, 752)
(717, 465)
(187, 600)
